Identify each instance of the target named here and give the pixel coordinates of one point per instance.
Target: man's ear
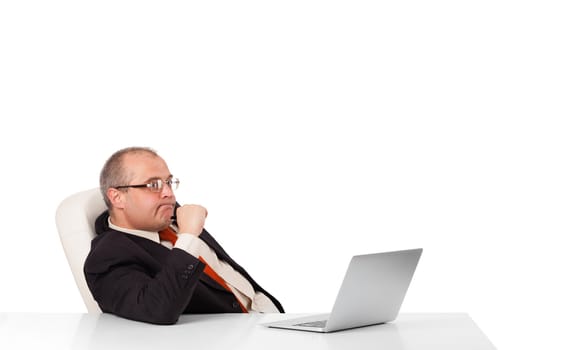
(116, 197)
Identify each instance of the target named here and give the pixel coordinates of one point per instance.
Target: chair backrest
(75, 219)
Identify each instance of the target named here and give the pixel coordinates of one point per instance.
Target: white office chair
(75, 219)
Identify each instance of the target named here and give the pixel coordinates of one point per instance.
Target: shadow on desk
(245, 331)
(223, 331)
(107, 331)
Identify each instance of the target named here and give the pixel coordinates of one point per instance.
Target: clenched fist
(191, 218)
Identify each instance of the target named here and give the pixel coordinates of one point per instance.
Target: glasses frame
(172, 182)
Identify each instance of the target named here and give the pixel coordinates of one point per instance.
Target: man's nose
(167, 190)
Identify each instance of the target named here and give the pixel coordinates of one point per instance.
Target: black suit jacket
(139, 279)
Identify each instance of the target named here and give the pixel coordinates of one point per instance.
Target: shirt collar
(153, 236)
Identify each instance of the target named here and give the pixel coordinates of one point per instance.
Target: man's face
(140, 208)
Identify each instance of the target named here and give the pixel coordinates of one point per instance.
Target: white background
(311, 130)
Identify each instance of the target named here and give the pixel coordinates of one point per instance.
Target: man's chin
(164, 223)
(167, 220)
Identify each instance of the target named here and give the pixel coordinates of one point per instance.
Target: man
(145, 266)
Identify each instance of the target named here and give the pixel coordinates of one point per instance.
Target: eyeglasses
(156, 185)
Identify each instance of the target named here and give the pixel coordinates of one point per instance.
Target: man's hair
(114, 174)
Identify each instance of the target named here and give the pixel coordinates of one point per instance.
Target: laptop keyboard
(316, 324)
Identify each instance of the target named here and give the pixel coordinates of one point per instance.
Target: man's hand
(191, 218)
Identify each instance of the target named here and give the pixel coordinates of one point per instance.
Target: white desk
(232, 331)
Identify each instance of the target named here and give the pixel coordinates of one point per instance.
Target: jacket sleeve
(128, 282)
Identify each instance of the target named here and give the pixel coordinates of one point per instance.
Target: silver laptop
(372, 292)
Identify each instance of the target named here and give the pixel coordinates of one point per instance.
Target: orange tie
(168, 234)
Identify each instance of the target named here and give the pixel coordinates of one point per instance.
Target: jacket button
(235, 305)
(190, 267)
